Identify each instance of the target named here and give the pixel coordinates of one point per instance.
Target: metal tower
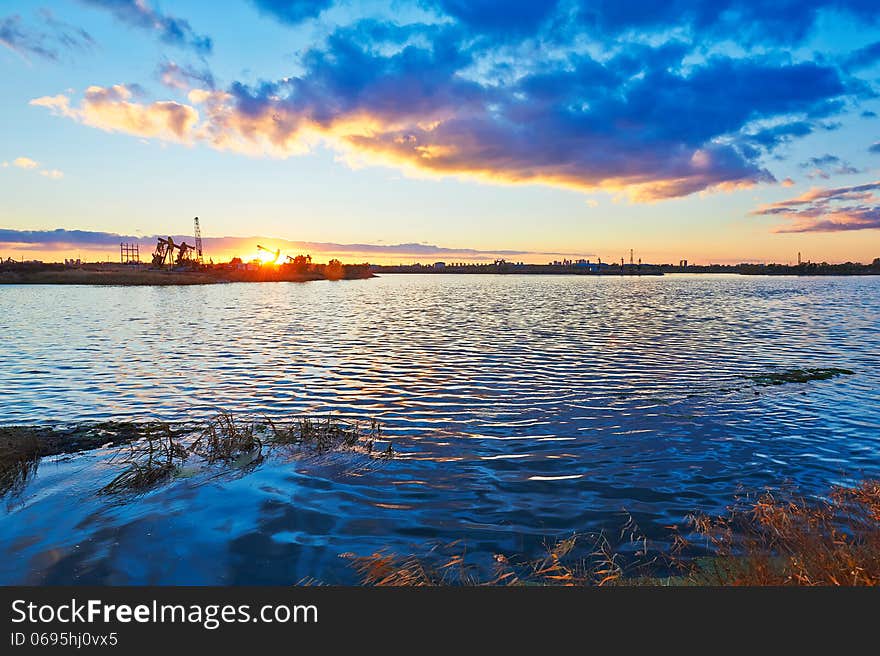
(198, 235)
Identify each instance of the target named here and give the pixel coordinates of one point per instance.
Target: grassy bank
(104, 277)
(128, 276)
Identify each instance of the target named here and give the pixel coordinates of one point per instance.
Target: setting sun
(265, 256)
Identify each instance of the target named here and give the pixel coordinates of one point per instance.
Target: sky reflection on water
(520, 407)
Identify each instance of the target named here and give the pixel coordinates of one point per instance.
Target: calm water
(522, 407)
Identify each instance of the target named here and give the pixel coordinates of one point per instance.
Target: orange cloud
(828, 210)
(112, 110)
(433, 145)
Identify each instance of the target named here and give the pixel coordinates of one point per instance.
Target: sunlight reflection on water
(521, 407)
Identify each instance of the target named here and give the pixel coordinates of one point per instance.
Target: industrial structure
(164, 253)
(129, 253)
(197, 232)
(187, 256)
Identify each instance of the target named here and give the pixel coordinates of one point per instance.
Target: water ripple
(521, 406)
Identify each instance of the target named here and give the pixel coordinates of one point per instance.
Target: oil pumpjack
(165, 253)
(183, 254)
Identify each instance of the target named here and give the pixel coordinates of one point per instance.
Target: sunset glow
(536, 129)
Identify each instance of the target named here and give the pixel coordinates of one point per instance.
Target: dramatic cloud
(47, 42)
(827, 165)
(171, 30)
(772, 21)
(829, 210)
(112, 110)
(245, 246)
(654, 118)
(175, 76)
(758, 21)
(292, 12)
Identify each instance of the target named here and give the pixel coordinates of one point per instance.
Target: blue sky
(681, 129)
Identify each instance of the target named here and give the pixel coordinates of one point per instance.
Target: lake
(521, 409)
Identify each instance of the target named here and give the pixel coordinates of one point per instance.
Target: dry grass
(578, 560)
(151, 451)
(442, 567)
(225, 439)
(160, 448)
(19, 457)
(773, 540)
(150, 461)
(788, 540)
(328, 433)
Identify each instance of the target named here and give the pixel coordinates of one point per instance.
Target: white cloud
(29, 164)
(25, 163)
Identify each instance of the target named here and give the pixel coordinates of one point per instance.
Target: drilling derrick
(198, 237)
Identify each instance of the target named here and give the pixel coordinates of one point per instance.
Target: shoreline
(635, 270)
(117, 276)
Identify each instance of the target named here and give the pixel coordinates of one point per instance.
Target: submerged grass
(149, 462)
(774, 540)
(153, 451)
(800, 375)
(236, 443)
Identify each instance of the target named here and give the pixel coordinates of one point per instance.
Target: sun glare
(262, 257)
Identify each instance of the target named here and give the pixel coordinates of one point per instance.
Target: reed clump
(149, 461)
(788, 540)
(329, 433)
(158, 449)
(19, 457)
(226, 440)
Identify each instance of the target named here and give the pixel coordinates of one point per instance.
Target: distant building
(439, 265)
(586, 264)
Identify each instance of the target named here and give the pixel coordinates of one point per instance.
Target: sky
(426, 130)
